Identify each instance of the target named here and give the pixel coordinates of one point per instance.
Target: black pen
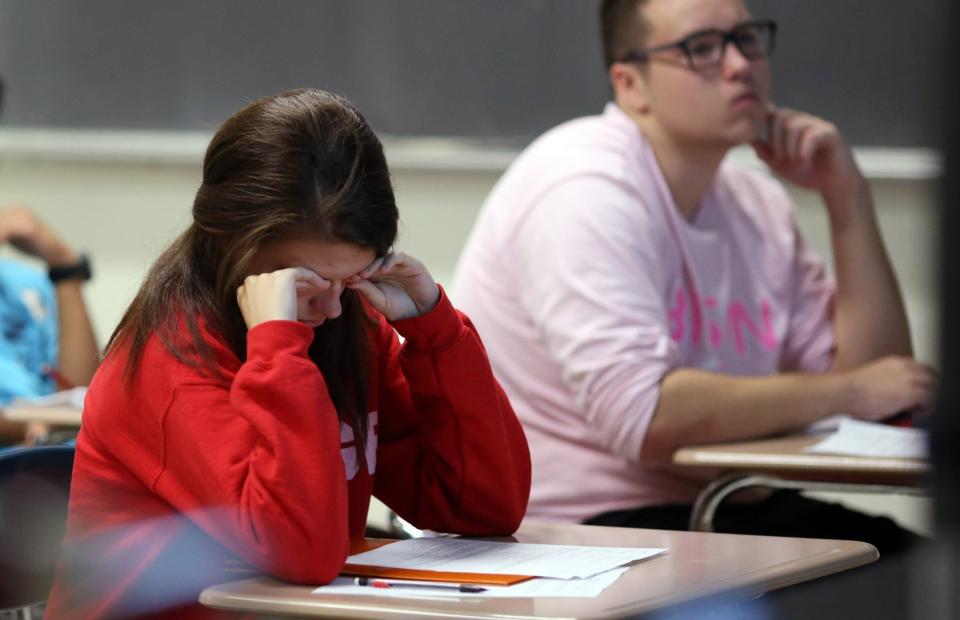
(400, 583)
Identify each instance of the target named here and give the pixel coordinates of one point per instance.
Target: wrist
(431, 301)
(436, 329)
(61, 256)
(845, 392)
(77, 270)
(849, 202)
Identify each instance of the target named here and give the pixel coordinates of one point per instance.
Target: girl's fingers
(390, 262)
(369, 270)
(307, 278)
(401, 266)
(272, 296)
(356, 284)
(371, 292)
(397, 285)
(393, 259)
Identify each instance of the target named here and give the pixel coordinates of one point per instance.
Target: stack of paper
(555, 570)
(589, 587)
(72, 398)
(859, 438)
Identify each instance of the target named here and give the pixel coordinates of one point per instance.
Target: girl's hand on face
(397, 285)
(272, 296)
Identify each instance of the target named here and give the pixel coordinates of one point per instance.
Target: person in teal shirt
(46, 338)
(28, 315)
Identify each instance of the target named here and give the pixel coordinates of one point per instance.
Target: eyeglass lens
(707, 49)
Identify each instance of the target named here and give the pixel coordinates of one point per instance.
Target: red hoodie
(183, 479)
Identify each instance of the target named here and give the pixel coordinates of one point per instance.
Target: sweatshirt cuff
(273, 338)
(438, 329)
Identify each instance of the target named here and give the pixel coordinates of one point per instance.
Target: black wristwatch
(80, 270)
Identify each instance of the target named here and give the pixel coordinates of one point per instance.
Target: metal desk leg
(701, 518)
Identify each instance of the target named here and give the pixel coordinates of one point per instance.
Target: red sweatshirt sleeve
(452, 455)
(256, 463)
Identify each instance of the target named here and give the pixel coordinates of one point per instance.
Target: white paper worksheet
(859, 438)
(542, 587)
(64, 398)
(480, 556)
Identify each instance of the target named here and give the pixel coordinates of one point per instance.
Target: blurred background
(109, 105)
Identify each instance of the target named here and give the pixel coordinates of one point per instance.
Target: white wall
(124, 204)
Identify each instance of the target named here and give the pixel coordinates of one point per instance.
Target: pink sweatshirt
(587, 287)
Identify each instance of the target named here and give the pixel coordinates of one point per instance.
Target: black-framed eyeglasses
(705, 49)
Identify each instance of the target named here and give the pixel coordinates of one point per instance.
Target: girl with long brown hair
(255, 393)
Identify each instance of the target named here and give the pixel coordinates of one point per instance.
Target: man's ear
(629, 87)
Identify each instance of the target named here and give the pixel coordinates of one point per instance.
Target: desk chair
(34, 488)
(402, 529)
(394, 527)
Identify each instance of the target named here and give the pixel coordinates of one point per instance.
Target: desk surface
(786, 456)
(696, 565)
(58, 415)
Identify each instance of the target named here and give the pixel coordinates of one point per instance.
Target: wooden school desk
(58, 416)
(782, 463)
(697, 565)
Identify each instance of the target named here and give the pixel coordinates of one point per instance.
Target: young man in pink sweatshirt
(638, 292)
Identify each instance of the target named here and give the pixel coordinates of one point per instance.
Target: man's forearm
(870, 318)
(698, 407)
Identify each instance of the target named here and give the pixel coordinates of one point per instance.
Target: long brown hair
(301, 162)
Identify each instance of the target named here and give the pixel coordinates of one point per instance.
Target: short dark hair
(622, 28)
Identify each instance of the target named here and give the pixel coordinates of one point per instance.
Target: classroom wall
(125, 205)
(503, 69)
